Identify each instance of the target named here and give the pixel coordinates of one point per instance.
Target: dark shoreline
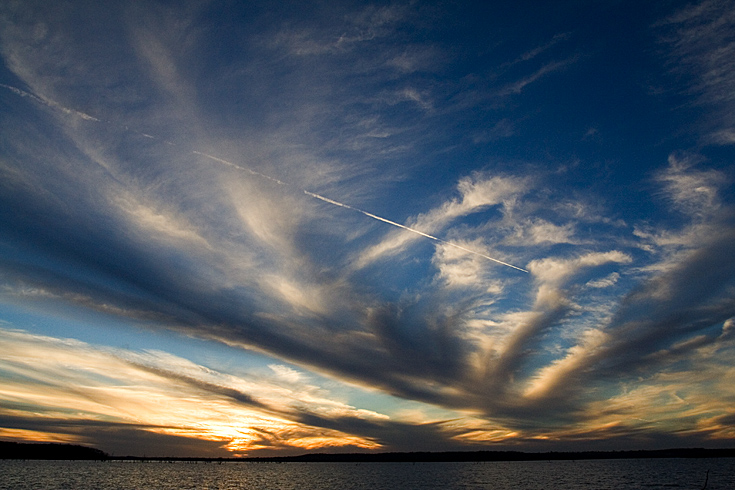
(489, 456)
(47, 451)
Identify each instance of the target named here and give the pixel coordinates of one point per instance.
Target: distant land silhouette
(480, 456)
(17, 450)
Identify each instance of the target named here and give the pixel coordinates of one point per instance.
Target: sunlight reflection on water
(599, 474)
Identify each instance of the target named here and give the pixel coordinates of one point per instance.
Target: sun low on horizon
(242, 229)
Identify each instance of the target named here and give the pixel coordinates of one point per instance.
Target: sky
(267, 228)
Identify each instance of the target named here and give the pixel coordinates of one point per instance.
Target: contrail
(347, 206)
(243, 169)
(412, 230)
(49, 103)
(87, 117)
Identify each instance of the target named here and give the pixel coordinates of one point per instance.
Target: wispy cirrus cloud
(369, 24)
(533, 53)
(692, 190)
(518, 86)
(702, 50)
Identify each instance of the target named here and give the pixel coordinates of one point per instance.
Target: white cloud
(728, 328)
(549, 377)
(537, 231)
(723, 137)
(156, 224)
(286, 373)
(421, 99)
(477, 193)
(556, 271)
(459, 269)
(605, 282)
(691, 190)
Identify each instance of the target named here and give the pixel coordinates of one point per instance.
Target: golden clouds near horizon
(63, 390)
(63, 385)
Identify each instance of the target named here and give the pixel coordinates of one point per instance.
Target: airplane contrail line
(49, 103)
(87, 117)
(412, 230)
(238, 167)
(347, 206)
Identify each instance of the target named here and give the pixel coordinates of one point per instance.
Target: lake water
(649, 474)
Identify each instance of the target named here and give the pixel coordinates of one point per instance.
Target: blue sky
(233, 229)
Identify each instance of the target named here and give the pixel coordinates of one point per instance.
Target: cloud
(539, 231)
(477, 193)
(550, 377)
(526, 330)
(554, 271)
(701, 48)
(723, 137)
(659, 314)
(426, 349)
(369, 24)
(693, 191)
(662, 321)
(415, 58)
(458, 269)
(533, 53)
(518, 86)
(77, 385)
(112, 397)
(605, 282)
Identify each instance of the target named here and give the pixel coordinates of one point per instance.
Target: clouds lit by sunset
(248, 229)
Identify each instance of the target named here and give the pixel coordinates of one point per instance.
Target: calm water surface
(649, 474)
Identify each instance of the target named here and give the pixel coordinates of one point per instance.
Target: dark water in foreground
(649, 474)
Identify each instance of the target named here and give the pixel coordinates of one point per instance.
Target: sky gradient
(240, 228)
